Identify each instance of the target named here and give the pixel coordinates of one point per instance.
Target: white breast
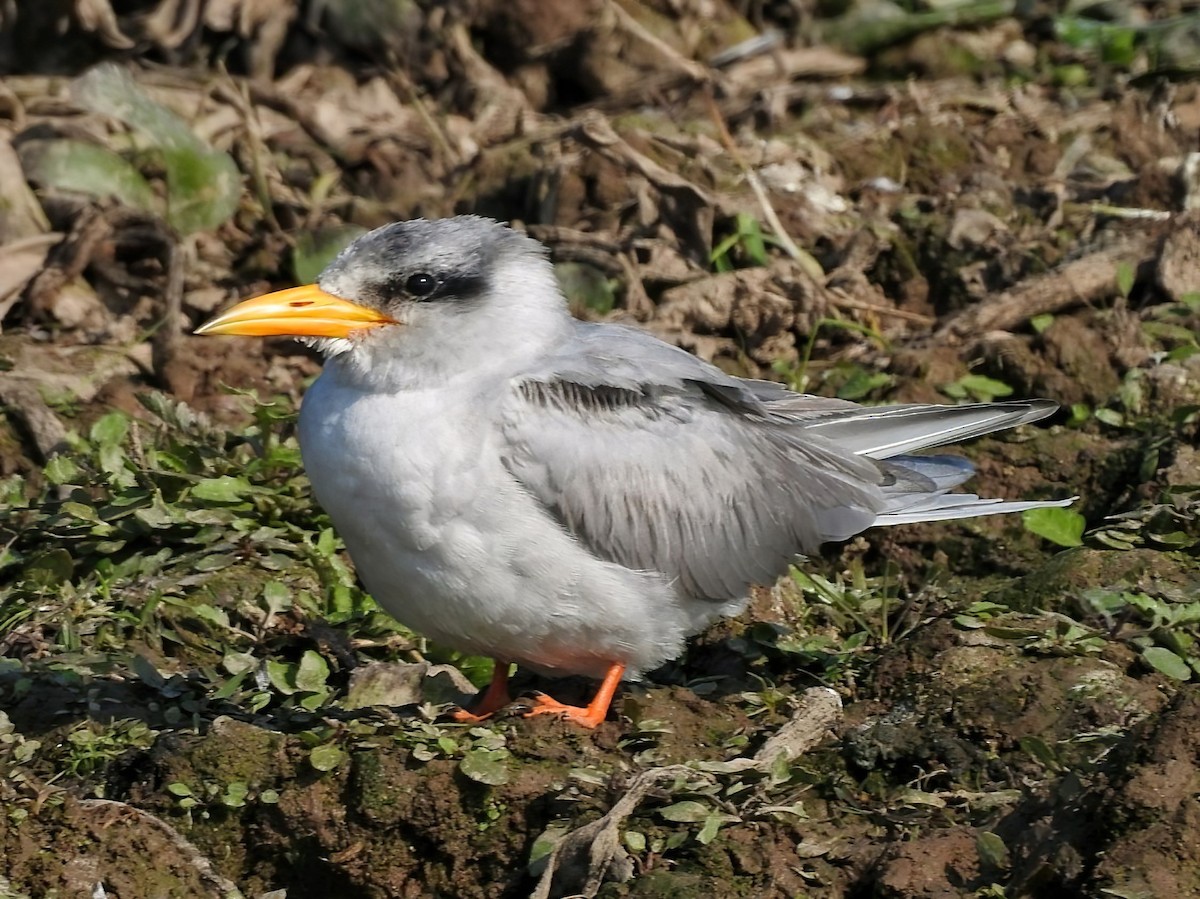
(448, 543)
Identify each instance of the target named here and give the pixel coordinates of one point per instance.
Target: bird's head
(415, 300)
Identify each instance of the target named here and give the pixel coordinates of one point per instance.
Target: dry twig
(223, 886)
(1084, 280)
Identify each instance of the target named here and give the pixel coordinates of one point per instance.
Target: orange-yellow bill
(304, 311)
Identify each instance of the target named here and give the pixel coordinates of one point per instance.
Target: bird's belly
(447, 542)
(400, 476)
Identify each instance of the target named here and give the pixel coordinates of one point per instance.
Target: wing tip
(976, 508)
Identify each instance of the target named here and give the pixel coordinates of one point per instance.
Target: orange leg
(596, 710)
(491, 700)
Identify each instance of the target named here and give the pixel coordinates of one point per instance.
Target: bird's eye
(422, 284)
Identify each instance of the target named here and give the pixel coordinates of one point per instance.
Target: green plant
(1061, 526)
(745, 246)
(210, 797)
(977, 388)
(1163, 630)
(89, 747)
(1172, 523)
(196, 542)
(1174, 327)
(203, 185)
(797, 375)
(854, 603)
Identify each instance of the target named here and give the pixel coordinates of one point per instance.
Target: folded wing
(658, 461)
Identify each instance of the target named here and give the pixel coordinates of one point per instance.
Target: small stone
(386, 683)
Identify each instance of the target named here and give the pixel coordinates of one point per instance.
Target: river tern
(571, 496)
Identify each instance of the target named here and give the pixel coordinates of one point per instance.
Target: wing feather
(671, 479)
(659, 461)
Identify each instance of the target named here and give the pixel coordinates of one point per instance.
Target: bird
(574, 497)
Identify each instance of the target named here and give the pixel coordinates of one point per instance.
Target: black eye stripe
(426, 287)
(462, 286)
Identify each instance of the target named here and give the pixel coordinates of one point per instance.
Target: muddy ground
(918, 202)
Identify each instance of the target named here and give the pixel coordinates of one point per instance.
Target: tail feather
(961, 505)
(882, 432)
(920, 484)
(928, 474)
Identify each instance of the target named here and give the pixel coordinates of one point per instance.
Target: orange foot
(596, 710)
(491, 700)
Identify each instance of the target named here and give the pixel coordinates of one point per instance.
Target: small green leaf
(1183, 352)
(312, 673)
(327, 757)
(861, 382)
(235, 795)
(1126, 275)
(1061, 526)
(277, 597)
(282, 676)
(984, 388)
(992, 851)
(1041, 751)
(719, 256)
(1040, 323)
(676, 839)
(87, 168)
(239, 662)
(61, 470)
(51, 568)
(1080, 413)
(1166, 662)
(1168, 331)
(80, 511)
(203, 188)
(216, 562)
(179, 789)
(1071, 75)
(225, 489)
(327, 542)
(485, 766)
(313, 701)
(210, 613)
(686, 812)
(1174, 539)
(422, 753)
(109, 430)
(634, 841)
(543, 847)
(750, 231)
(158, 515)
(708, 833)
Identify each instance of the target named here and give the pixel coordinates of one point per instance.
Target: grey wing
(657, 460)
(664, 465)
